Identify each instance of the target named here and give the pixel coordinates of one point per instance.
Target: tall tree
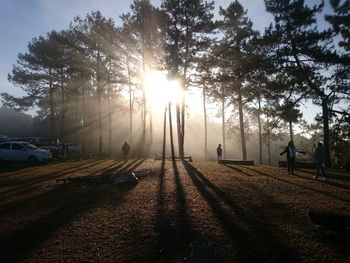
(187, 21)
(99, 37)
(143, 25)
(129, 65)
(340, 22)
(40, 72)
(339, 134)
(203, 79)
(302, 52)
(234, 53)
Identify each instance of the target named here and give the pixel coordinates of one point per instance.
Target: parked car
(51, 144)
(3, 138)
(31, 140)
(23, 151)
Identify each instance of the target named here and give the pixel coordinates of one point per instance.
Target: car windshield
(30, 146)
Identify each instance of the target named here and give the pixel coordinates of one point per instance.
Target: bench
(238, 162)
(159, 157)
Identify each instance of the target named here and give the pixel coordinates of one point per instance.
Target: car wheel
(32, 159)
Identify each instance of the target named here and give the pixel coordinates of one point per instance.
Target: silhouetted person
(320, 161)
(126, 150)
(291, 152)
(219, 152)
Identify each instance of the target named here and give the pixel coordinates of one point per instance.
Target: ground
(178, 212)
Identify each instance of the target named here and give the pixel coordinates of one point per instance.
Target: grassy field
(178, 212)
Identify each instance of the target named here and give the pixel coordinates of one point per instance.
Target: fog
(15, 124)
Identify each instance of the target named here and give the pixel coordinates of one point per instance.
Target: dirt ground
(178, 212)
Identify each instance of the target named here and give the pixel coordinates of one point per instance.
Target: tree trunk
(63, 107)
(144, 120)
(110, 114)
(83, 117)
(269, 145)
(291, 130)
(181, 128)
(77, 125)
(144, 100)
(223, 120)
(130, 102)
(109, 109)
(150, 127)
(182, 141)
(164, 133)
(171, 134)
(241, 125)
(52, 116)
(260, 129)
(326, 130)
(99, 91)
(205, 126)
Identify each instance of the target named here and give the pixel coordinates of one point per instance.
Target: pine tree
(302, 53)
(99, 36)
(39, 72)
(187, 21)
(341, 21)
(146, 39)
(234, 57)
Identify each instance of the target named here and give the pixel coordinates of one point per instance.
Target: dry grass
(179, 212)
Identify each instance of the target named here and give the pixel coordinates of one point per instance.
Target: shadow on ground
(50, 211)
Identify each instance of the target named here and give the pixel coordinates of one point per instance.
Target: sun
(160, 90)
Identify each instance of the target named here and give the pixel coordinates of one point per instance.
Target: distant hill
(14, 123)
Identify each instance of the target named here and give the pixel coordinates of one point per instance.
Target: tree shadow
(6, 167)
(52, 211)
(298, 185)
(252, 239)
(23, 166)
(32, 181)
(173, 225)
(66, 203)
(338, 176)
(238, 169)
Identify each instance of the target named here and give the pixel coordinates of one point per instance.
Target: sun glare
(160, 90)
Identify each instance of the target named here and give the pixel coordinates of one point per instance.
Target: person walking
(291, 152)
(126, 150)
(219, 152)
(320, 161)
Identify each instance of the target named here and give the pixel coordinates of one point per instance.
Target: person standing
(126, 150)
(219, 152)
(320, 161)
(291, 152)
(64, 151)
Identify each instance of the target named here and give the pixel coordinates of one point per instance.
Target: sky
(22, 20)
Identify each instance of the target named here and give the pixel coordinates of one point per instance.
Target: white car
(23, 151)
